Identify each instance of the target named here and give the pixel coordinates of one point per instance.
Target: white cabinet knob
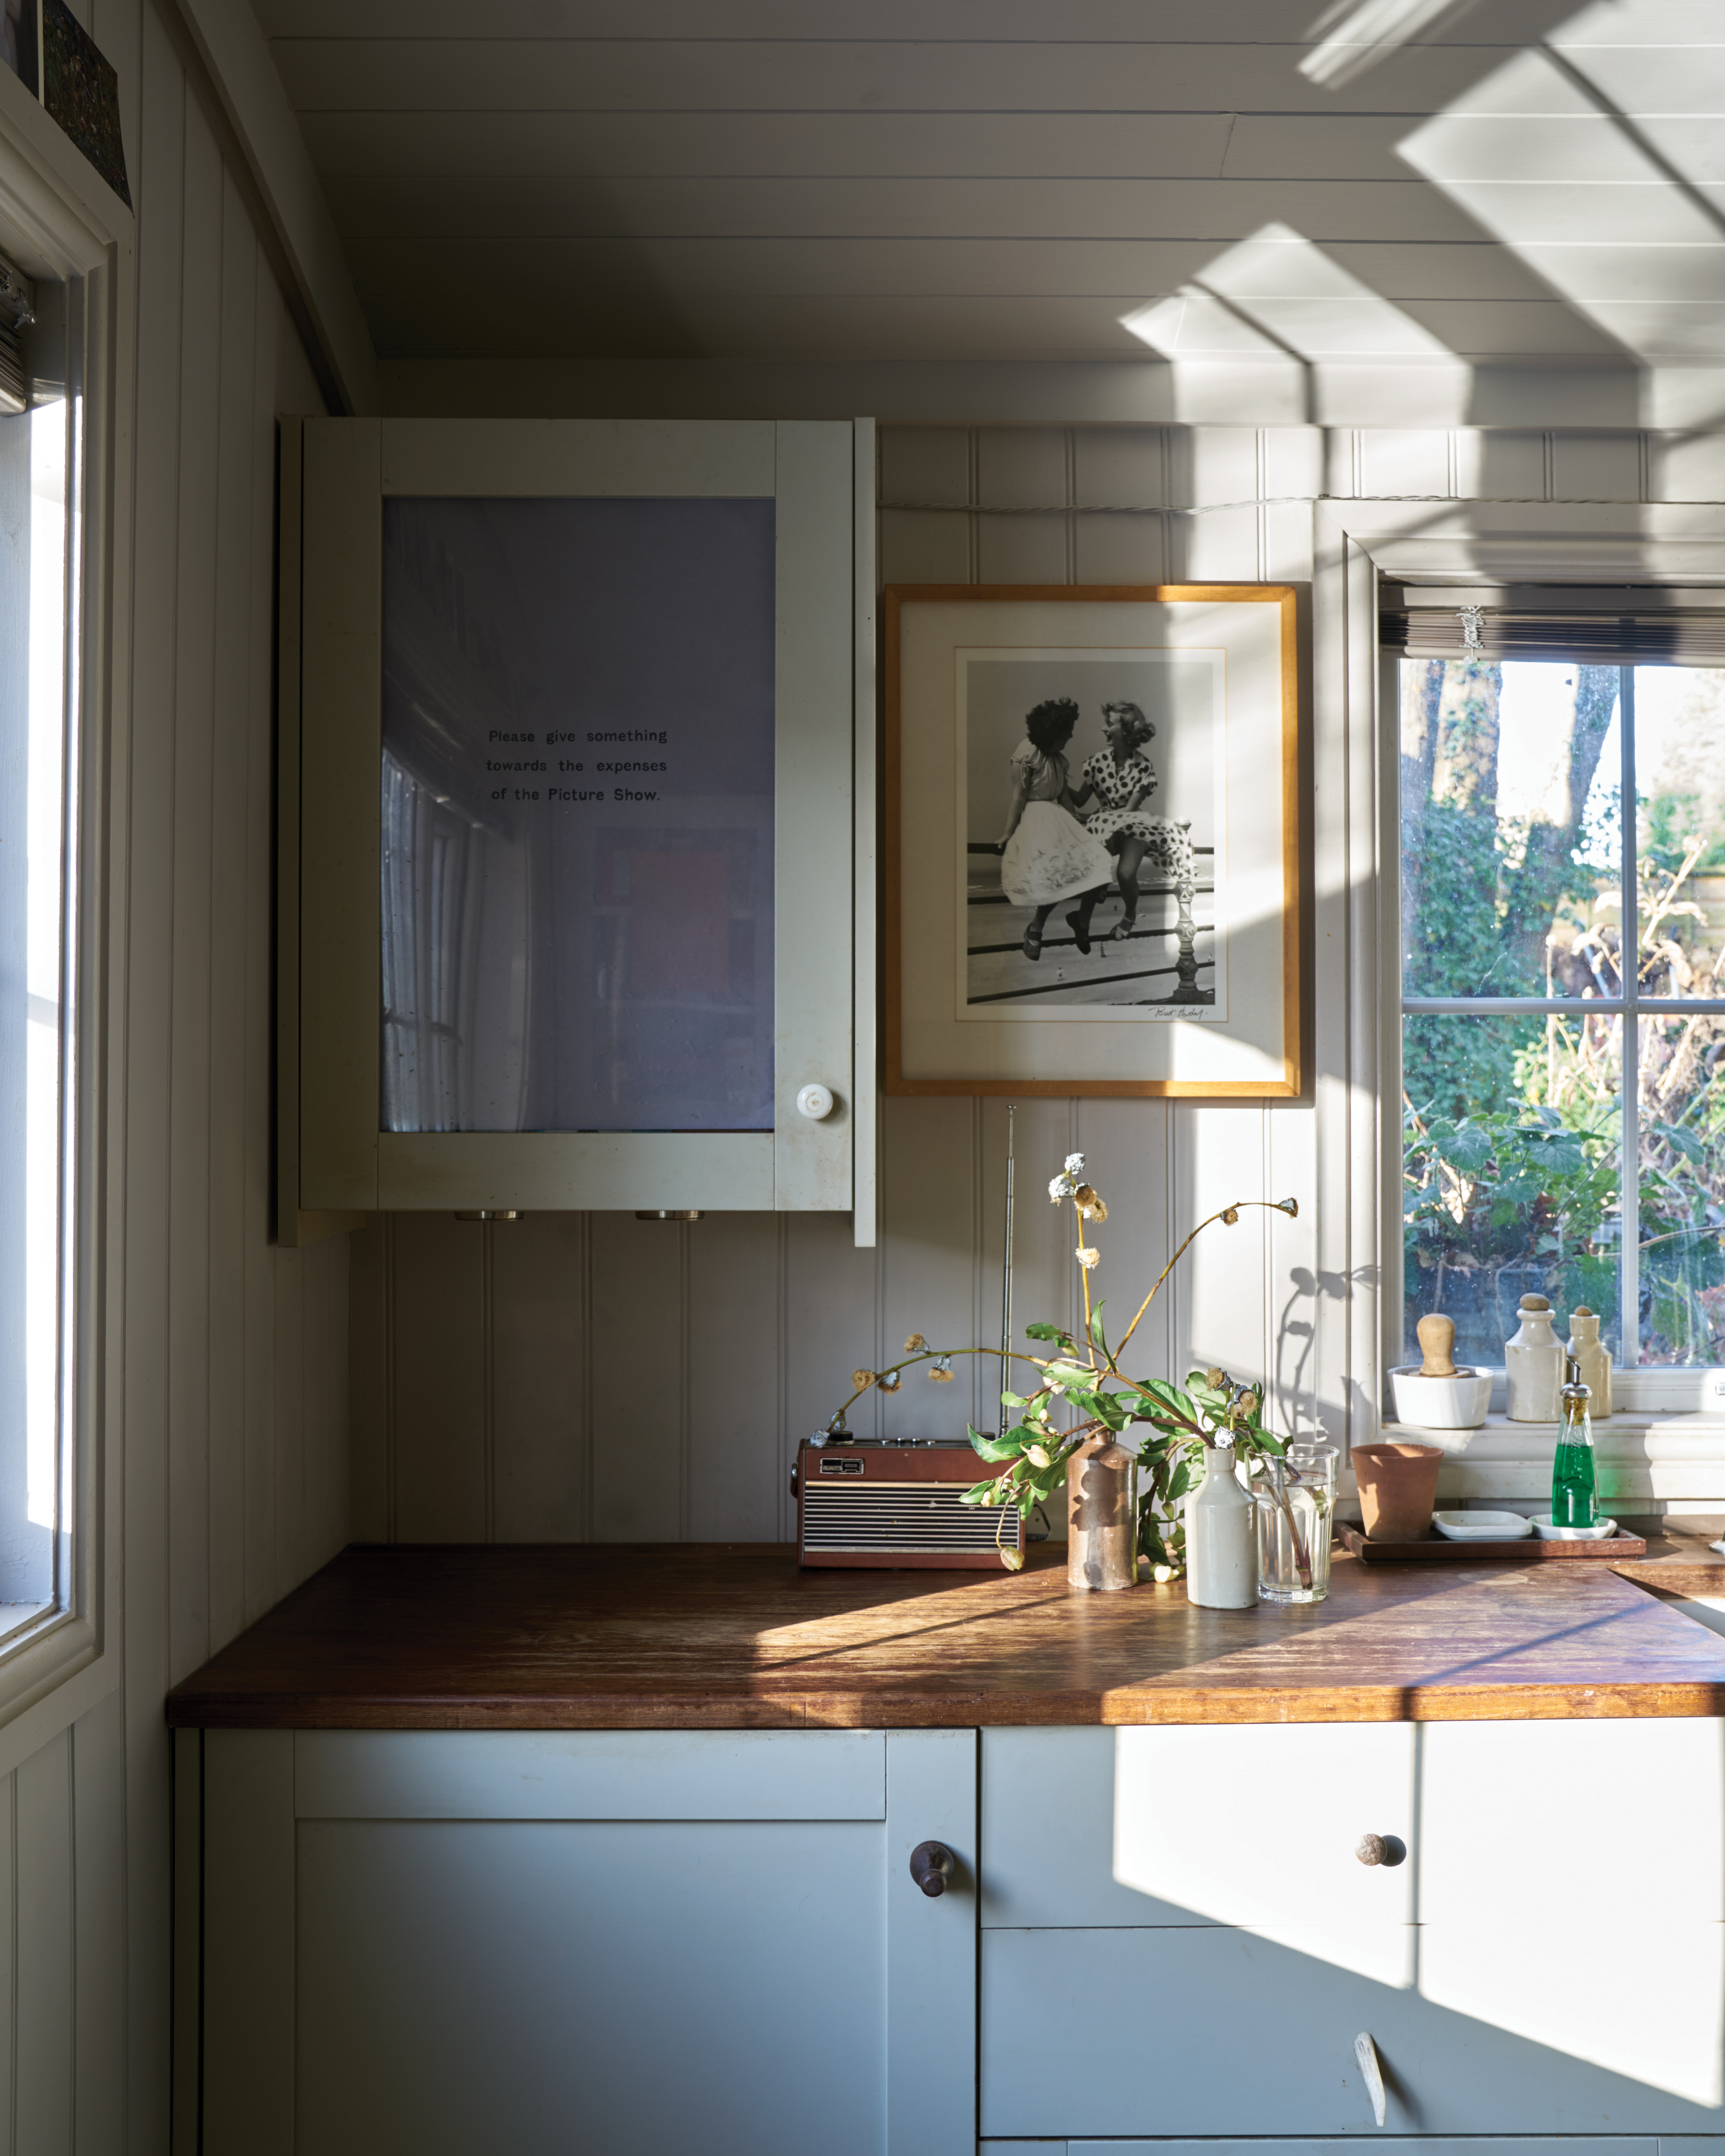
(815, 1101)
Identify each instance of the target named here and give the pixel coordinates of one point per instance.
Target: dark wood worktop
(670, 1636)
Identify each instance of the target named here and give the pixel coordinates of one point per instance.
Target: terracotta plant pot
(1398, 1488)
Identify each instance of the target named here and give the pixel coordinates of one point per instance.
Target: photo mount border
(1295, 894)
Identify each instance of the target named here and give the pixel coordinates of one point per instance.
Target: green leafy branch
(1083, 1376)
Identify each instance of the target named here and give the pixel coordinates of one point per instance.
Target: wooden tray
(1528, 1549)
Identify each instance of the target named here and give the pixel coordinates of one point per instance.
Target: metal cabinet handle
(931, 1867)
(1385, 1849)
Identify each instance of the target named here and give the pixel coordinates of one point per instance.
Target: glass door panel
(578, 789)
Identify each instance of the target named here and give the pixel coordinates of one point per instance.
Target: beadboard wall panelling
(232, 1407)
(568, 1377)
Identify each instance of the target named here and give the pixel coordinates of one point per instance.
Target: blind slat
(1690, 639)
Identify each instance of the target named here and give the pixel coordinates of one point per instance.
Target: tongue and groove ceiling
(1511, 182)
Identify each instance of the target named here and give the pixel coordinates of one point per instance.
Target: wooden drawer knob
(931, 1867)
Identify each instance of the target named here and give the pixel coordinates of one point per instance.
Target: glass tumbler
(1294, 1498)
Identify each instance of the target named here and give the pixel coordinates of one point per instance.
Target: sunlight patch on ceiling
(1355, 34)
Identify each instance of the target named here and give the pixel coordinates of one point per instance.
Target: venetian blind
(1598, 624)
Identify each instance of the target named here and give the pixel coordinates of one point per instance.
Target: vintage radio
(861, 1502)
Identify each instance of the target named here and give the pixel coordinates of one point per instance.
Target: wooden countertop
(687, 1636)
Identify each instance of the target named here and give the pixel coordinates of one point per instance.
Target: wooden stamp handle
(1437, 1342)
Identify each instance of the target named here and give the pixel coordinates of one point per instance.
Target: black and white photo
(1089, 853)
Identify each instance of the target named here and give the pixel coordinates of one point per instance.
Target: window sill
(1645, 1459)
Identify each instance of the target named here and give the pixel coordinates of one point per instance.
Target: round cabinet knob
(815, 1101)
(931, 1867)
(1385, 1849)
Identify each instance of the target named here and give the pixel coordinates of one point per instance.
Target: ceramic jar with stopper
(1439, 1394)
(1591, 1357)
(1221, 1551)
(1535, 1364)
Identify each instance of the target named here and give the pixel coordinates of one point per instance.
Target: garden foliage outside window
(1525, 996)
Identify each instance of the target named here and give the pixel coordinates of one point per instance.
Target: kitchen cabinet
(577, 844)
(607, 1849)
(419, 1944)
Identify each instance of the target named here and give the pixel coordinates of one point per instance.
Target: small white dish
(1482, 1526)
(1601, 1531)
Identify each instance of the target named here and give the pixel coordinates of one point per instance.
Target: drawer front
(1549, 1801)
(1109, 2033)
(1177, 1826)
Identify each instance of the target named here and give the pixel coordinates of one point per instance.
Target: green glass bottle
(1572, 1472)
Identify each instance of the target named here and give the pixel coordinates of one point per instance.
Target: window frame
(1629, 1004)
(60, 221)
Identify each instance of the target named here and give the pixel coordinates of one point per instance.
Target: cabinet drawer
(1209, 2031)
(1640, 1800)
(1177, 1826)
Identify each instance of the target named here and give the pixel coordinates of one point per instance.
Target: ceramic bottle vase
(1221, 1556)
(1535, 1363)
(1101, 1522)
(1592, 1357)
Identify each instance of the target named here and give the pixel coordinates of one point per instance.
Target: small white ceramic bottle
(1221, 1555)
(1594, 1357)
(1535, 1364)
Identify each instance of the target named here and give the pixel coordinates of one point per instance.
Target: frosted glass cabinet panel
(577, 801)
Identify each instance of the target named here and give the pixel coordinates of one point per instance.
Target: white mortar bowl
(1457, 1403)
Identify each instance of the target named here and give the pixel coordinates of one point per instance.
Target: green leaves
(994, 1448)
(1098, 1337)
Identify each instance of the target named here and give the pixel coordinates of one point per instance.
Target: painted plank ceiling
(1398, 180)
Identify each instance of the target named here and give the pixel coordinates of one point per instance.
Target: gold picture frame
(990, 986)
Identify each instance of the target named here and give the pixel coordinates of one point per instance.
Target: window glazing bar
(1577, 1006)
(1628, 968)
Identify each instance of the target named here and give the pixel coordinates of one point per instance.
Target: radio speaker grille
(881, 1517)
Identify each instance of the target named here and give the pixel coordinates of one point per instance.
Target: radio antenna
(1006, 1272)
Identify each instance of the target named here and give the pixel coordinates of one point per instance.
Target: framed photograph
(1091, 851)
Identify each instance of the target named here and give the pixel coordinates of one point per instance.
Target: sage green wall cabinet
(578, 816)
(628, 1944)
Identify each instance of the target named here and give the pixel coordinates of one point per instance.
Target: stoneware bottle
(1592, 1357)
(1221, 1557)
(1534, 1361)
(1102, 1525)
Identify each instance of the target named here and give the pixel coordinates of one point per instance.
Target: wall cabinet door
(634, 1944)
(578, 740)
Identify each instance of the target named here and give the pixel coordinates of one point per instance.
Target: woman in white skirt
(1047, 855)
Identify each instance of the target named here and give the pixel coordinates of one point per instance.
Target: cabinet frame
(334, 1163)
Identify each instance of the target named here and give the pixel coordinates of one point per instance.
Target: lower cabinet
(404, 1943)
(1544, 1955)
(637, 1944)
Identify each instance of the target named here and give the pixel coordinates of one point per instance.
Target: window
(39, 467)
(1562, 853)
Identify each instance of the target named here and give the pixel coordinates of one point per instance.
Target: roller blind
(1592, 624)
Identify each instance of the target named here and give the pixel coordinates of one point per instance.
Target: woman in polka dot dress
(1123, 781)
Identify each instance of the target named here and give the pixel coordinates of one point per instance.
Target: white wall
(231, 1415)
